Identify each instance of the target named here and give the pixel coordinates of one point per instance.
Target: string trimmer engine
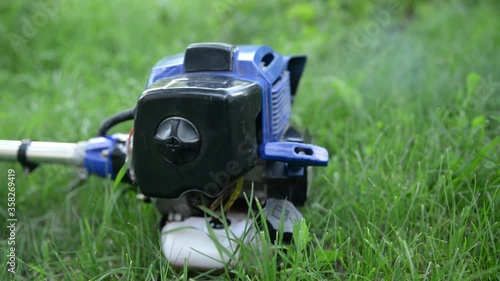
(211, 132)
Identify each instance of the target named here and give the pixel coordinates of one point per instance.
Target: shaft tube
(45, 152)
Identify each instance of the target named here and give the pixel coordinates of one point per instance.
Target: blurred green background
(404, 94)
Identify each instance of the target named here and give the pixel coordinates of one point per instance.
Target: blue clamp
(294, 153)
(98, 156)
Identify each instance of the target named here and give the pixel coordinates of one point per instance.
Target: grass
(409, 111)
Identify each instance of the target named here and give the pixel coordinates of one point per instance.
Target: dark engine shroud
(195, 133)
(217, 113)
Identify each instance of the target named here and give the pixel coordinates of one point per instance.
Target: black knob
(178, 140)
(209, 57)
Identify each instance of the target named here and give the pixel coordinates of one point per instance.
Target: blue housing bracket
(257, 63)
(294, 153)
(98, 157)
(261, 64)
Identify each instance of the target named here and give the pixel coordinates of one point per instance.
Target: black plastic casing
(222, 109)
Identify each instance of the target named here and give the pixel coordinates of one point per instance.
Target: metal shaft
(45, 152)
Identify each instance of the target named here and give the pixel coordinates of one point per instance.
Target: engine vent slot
(281, 105)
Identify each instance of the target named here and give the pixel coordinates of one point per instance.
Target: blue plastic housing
(278, 77)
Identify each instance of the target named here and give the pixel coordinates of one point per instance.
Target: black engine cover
(195, 133)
